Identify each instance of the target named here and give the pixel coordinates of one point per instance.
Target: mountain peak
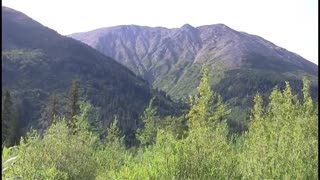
(187, 26)
(221, 25)
(4, 8)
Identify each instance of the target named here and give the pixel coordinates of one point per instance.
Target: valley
(140, 102)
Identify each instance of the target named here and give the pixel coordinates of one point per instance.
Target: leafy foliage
(278, 144)
(281, 143)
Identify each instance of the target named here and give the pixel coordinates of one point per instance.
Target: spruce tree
(16, 125)
(148, 134)
(199, 113)
(7, 120)
(73, 103)
(113, 133)
(220, 111)
(207, 135)
(51, 110)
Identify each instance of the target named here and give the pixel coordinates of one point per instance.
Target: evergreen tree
(113, 133)
(53, 107)
(148, 134)
(307, 105)
(202, 156)
(7, 119)
(200, 111)
(220, 111)
(16, 126)
(257, 111)
(203, 111)
(111, 157)
(175, 125)
(73, 103)
(51, 111)
(95, 121)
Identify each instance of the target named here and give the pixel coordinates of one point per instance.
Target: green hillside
(37, 61)
(240, 64)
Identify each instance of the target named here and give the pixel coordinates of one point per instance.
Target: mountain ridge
(215, 29)
(240, 64)
(150, 50)
(37, 61)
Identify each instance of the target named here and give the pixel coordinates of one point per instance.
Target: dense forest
(281, 141)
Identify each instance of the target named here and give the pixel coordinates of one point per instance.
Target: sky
(291, 24)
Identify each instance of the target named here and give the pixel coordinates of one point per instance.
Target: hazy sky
(291, 24)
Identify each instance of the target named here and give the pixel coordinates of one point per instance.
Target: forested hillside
(281, 143)
(37, 61)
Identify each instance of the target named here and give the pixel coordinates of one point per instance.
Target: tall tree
(8, 120)
(204, 111)
(148, 134)
(53, 107)
(113, 133)
(73, 103)
(51, 110)
(200, 104)
(16, 124)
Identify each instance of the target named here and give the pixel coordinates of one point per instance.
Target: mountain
(37, 61)
(170, 59)
(240, 64)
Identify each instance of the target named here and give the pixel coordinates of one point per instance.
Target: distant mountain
(37, 60)
(170, 58)
(240, 64)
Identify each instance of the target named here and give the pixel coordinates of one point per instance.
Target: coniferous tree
(95, 121)
(113, 133)
(148, 134)
(16, 125)
(73, 103)
(10, 121)
(7, 118)
(53, 107)
(220, 111)
(175, 125)
(51, 110)
(203, 111)
(112, 156)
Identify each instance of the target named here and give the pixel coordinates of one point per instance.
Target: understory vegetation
(281, 143)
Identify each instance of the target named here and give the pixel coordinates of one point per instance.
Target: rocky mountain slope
(170, 58)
